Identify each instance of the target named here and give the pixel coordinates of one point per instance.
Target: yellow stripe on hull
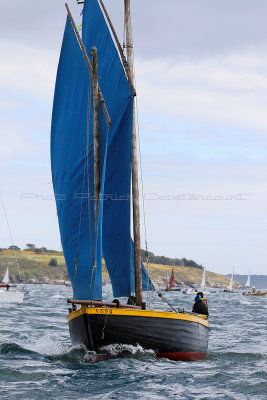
(200, 319)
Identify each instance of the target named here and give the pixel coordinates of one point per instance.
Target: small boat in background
(171, 286)
(248, 284)
(255, 292)
(7, 295)
(230, 287)
(203, 287)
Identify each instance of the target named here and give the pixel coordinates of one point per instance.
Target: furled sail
(117, 241)
(72, 170)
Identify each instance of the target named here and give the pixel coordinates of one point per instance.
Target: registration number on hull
(103, 311)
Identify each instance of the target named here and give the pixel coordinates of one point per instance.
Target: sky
(201, 79)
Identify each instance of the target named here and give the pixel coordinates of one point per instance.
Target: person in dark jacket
(204, 300)
(199, 307)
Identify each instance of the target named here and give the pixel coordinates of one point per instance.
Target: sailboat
(230, 287)
(5, 280)
(94, 163)
(203, 281)
(253, 291)
(247, 284)
(203, 287)
(7, 295)
(171, 286)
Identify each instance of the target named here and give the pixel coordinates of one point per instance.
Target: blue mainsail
(72, 162)
(72, 170)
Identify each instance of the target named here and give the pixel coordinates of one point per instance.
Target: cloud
(202, 84)
(28, 70)
(229, 91)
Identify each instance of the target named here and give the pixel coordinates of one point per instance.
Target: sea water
(38, 362)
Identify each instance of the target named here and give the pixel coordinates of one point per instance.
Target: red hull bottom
(184, 356)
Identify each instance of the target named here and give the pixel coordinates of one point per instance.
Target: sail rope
(10, 234)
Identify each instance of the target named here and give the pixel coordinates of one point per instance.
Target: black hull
(174, 338)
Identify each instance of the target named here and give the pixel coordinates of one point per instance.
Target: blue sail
(114, 85)
(72, 163)
(72, 170)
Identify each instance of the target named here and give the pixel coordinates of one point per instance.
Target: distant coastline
(49, 267)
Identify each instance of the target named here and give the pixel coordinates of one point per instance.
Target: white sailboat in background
(248, 284)
(203, 282)
(203, 287)
(230, 287)
(231, 284)
(6, 277)
(7, 295)
(252, 289)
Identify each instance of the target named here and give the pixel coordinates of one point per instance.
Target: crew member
(199, 307)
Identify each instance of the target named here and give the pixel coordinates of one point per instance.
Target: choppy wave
(37, 360)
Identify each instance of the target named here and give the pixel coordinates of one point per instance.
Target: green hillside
(35, 268)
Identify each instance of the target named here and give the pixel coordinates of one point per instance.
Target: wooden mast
(96, 131)
(135, 188)
(88, 62)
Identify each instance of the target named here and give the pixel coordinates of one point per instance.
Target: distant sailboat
(6, 295)
(247, 284)
(6, 277)
(203, 287)
(231, 283)
(171, 284)
(230, 287)
(253, 291)
(203, 282)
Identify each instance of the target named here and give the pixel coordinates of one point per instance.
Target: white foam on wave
(48, 345)
(113, 350)
(58, 296)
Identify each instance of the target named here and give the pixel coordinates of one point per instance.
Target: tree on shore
(53, 262)
(30, 247)
(14, 247)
